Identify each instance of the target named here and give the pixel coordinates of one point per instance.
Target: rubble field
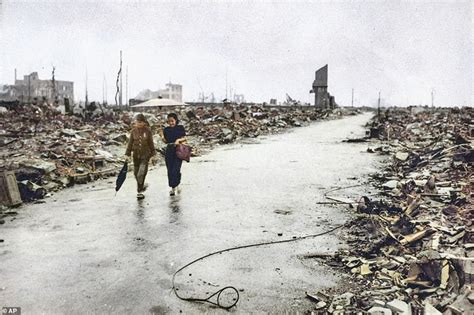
(411, 249)
(49, 151)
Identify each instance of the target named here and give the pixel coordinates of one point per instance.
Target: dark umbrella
(121, 177)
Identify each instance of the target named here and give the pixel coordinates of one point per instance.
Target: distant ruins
(322, 98)
(32, 89)
(171, 91)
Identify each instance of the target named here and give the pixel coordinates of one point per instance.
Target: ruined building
(322, 98)
(171, 91)
(31, 89)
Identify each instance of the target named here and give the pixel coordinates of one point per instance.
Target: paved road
(86, 251)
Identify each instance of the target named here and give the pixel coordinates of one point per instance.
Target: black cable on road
(231, 288)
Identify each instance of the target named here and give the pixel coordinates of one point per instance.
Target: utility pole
(53, 81)
(432, 97)
(126, 88)
(118, 84)
(120, 96)
(105, 89)
(87, 95)
(29, 88)
(352, 102)
(378, 108)
(226, 83)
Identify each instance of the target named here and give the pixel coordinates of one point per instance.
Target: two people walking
(142, 148)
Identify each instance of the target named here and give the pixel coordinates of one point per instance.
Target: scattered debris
(53, 151)
(412, 251)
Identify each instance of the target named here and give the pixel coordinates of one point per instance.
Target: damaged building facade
(32, 89)
(322, 98)
(171, 91)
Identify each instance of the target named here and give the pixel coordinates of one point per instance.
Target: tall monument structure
(322, 98)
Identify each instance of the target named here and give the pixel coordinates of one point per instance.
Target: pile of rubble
(228, 124)
(411, 251)
(49, 151)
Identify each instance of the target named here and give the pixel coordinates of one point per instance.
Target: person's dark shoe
(172, 192)
(140, 196)
(144, 188)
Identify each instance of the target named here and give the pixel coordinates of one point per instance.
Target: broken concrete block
(320, 305)
(377, 310)
(65, 181)
(9, 193)
(430, 309)
(399, 307)
(470, 297)
(343, 299)
(68, 132)
(455, 238)
(104, 153)
(226, 131)
(402, 156)
(43, 166)
(391, 184)
(365, 269)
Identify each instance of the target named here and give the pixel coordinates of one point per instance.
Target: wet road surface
(88, 251)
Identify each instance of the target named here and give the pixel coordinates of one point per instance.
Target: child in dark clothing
(173, 135)
(143, 148)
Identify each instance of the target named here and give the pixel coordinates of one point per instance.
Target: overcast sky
(405, 49)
